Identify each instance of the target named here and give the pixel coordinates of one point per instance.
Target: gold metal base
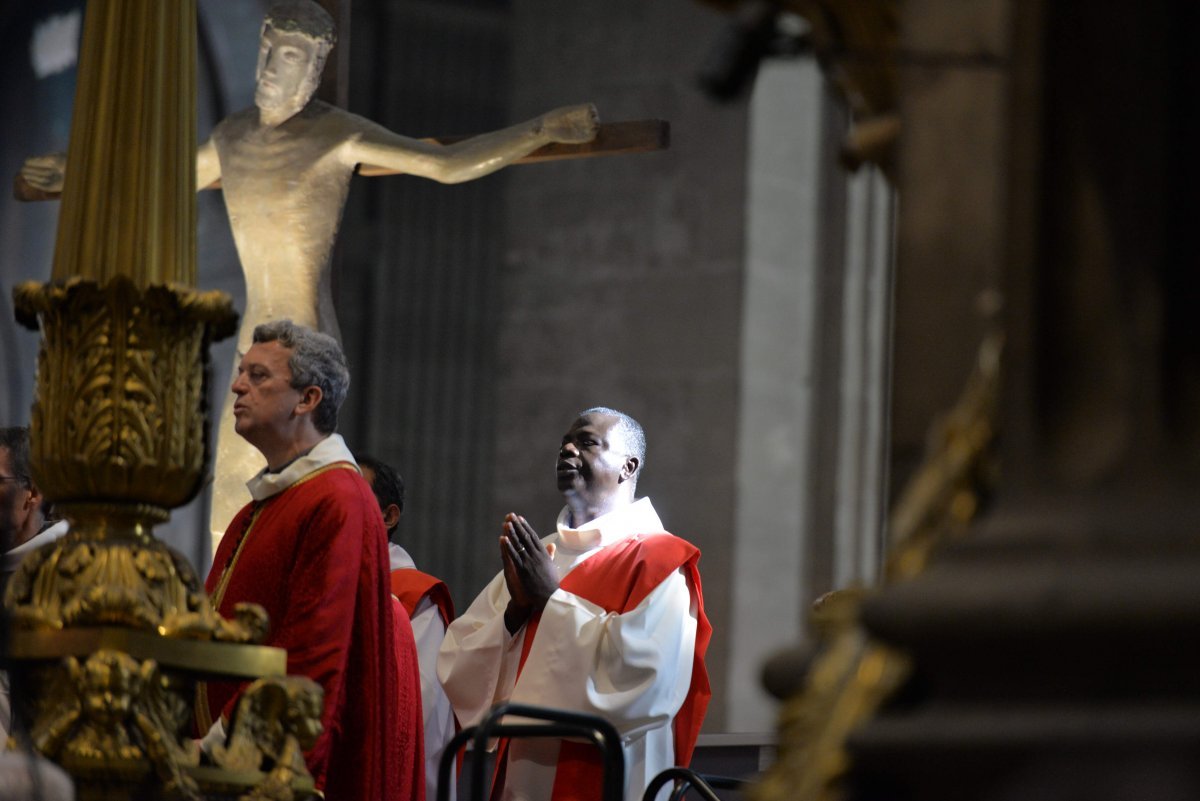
(111, 629)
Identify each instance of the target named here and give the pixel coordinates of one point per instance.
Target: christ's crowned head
(297, 35)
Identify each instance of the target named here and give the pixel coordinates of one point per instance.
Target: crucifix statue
(285, 165)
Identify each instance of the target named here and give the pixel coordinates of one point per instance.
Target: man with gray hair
(312, 550)
(605, 616)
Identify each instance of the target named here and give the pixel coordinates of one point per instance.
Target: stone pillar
(811, 469)
(1050, 647)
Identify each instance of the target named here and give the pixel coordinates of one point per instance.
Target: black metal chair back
(556, 723)
(687, 779)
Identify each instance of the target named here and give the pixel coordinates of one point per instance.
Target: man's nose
(569, 449)
(239, 385)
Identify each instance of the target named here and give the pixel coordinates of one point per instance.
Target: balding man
(603, 617)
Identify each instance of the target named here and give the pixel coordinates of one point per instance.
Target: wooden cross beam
(612, 139)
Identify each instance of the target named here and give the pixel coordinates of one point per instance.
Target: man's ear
(310, 399)
(629, 468)
(34, 501)
(391, 516)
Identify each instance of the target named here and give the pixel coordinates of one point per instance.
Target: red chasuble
(315, 557)
(617, 579)
(412, 586)
(408, 723)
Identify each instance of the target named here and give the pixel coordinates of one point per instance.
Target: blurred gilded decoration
(276, 721)
(942, 498)
(845, 684)
(855, 42)
(853, 675)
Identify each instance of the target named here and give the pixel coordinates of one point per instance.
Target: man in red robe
(604, 617)
(311, 549)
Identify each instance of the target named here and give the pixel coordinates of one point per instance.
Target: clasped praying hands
(529, 571)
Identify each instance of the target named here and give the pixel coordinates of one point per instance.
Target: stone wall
(622, 280)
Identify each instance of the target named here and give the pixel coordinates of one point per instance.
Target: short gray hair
(629, 430)
(316, 361)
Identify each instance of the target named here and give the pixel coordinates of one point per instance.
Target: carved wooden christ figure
(285, 166)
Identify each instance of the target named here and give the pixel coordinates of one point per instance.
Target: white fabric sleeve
(633, 669)
(428, 631)
(478, 660)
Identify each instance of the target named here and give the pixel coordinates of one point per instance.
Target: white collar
(328, 451)
(13, 557)
(638, 517)
(399, 559)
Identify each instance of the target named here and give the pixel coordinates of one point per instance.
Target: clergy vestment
(426, 600)
(623, 638)
(311, 549)
(9, 562)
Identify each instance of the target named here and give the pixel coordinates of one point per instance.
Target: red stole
(407, 719)
(412, 586)
(617, 579)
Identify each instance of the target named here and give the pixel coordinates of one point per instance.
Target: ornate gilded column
(129, 201)
(111, 628)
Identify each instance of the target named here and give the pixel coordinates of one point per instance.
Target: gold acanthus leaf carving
(120, 406)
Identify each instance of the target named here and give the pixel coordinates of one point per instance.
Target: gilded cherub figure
(277, 720)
